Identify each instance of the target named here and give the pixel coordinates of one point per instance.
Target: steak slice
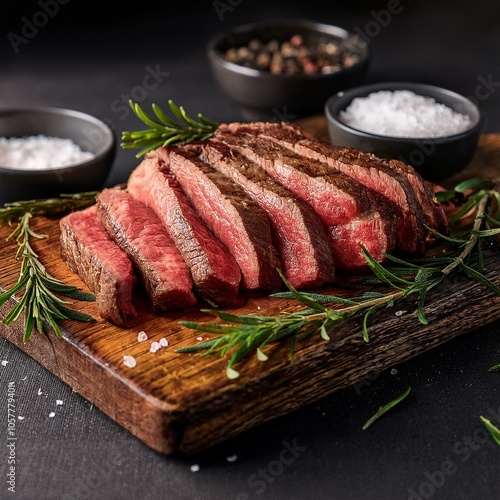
(214, 270)
(103, 267)
(299, 234)
(434, 214)
(366, 168)
(234, 218)
(353, 214)
(136, 229)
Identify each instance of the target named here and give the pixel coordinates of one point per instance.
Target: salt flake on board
(129, 361)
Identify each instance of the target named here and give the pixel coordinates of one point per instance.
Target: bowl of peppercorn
(288, 67)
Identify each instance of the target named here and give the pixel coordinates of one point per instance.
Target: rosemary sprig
(49, 207)
(385, 408)
(241, 335)
(492, 429)
(41, 300)
(494, 368)
(164, 130)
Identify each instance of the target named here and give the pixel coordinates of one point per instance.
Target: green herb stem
(384, 409)
(42, 301)
(492, 429)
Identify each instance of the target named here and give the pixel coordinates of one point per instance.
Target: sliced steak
(232, 215)
(214, 270)
(136, 229)
(103, 267)
(352, 213)
(434, 214)
(367, 169)
(299, 234)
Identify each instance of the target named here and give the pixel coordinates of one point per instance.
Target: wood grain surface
(183, 403)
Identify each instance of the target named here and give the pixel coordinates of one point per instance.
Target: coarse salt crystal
(52, 414)
(59, 402)
(232, 458)
(19, 417)
(129, 361)
(163, 342)
(402, 113)
(40, 391)
(142, 336)
(199, 338)
(195, 468)
(4, 362)
(155, 346)
(394, 371)
(399, 313)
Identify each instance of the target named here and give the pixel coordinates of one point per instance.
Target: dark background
(90, 55)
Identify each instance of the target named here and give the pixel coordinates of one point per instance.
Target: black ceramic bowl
(297, 94)
(435, 158)
(90, 133)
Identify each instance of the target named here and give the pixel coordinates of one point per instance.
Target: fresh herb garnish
(492, 429)
(478, 201)
(49, 207)
(494, 368)
(384, 409)
(164, 130)
(41, 300)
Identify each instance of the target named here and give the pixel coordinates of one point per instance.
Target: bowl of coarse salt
(430, 128)
(47, 151)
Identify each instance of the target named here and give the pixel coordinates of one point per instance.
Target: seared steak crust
(136, 229)
(366, 168)
(299, 234)
(214, 270)
(353, 214)
(232, 215)
(89, 252)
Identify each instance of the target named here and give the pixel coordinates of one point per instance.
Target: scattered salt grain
(155, 346)
(195, 468)
(402, 113)
(59, 402)
(129, 361)
(40, 391)
(142, 336)
(4, 362)
(399, 313)
(40, 152)
(199, 338)
(52, 414)
(19, 417)
(163, 342)
(232, 458)
(394, 371)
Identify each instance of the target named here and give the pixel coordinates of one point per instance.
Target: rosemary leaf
(384, 409)
(164, 130)
(494, 368)
(492, 429)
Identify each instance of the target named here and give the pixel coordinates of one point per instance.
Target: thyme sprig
(239, 336)
(164, 130)
(41, 299)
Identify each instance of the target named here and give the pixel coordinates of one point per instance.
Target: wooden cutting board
(184, 403)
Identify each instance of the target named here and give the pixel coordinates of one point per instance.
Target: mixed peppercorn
(294, 56)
